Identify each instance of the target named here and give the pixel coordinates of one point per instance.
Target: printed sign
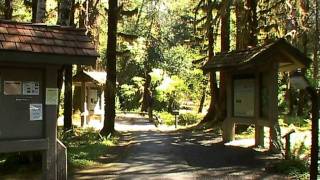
(52, 96)
(243, 101)
(35, 112)
(31, 88)
(12, 87)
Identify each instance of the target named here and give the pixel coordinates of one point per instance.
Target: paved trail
(154, 154)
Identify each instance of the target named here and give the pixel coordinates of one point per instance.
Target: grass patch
(85, 146)
(293, 167)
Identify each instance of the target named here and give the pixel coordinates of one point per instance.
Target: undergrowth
(85, 146)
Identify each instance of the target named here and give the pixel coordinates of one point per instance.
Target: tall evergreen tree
(8, 10)
(64, 15)
(110, 88)
(41, 11)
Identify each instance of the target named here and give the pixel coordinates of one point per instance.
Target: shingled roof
(288, 57)
(93, 76)
(45, 39)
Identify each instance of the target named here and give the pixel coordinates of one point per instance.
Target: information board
(243, 100)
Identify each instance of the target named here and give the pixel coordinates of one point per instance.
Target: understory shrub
(293, 167)
(84, 146)
(189, 118)
(166, 118)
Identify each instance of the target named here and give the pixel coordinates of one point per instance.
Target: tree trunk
(252, 20)
(203, 98)
(146, 93)
(64, 12)
(73, 9)
(212, 79)
(316, 44)
(68, 98)
(34, 11)
(110, 89)
(225, 47)
(41, 11)
(239, 25)
(210, 116)
(64, 20)
(8, 10)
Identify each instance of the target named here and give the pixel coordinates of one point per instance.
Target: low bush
(189, 118)
(166, 118)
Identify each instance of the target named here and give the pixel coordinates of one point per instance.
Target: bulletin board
(243, 97)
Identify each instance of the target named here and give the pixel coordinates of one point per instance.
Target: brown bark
(64, 12)
(146, 94)
(210, 116)
(41, 11)
(34, 10)
(316, 44)
(240, 25)
(8, 10)
(225, 47)
(251, 16)
(68, 98)
(110, 89)
(212, 79)
(203, 98)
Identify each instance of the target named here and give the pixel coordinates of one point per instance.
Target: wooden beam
(28, 57)
(50, 115)
(23, 145)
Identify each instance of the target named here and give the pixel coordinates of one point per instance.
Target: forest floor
(147, 152)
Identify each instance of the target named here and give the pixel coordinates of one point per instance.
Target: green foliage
(297, 121)
(85, 146)
(293, 167)
(130, 94)
(129, 100)
(189, 118)
(167, 118)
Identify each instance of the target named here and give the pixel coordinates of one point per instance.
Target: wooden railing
(61, 161)
(287, 154)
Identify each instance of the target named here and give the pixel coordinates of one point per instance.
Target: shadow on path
(153, 154)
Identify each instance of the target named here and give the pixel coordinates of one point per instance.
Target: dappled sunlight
(152, 153)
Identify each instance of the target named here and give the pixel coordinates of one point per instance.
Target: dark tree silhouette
(110, 88)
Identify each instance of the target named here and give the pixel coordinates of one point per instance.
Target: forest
(153, 51)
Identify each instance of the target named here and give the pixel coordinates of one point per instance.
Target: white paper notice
(35, 112)
(31, 88)
(52, 96)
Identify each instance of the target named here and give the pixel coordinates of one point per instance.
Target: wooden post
(83, 103)
(50, 111)
(287, 154)
(61, 161)
(259, 131)
(228, 126)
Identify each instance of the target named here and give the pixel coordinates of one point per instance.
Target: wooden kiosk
(30, 58)
(251, 79)
(92, 85)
